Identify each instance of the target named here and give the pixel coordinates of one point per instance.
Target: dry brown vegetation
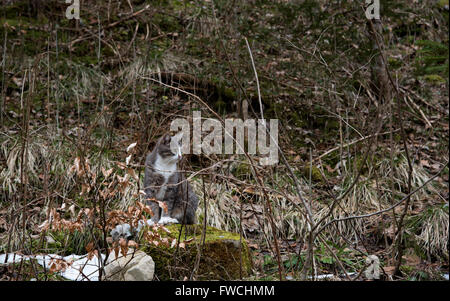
(362, 106)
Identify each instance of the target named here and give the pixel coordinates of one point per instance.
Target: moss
(298, 142)
(220, 106)
(31, 269)
(332, 159)
(166, 22)
(314, 117)
(242, 170)
(297, 120)
(394, 63)
(194, 46)
(316, 175)
(434, 79)
(443, 3)
(406, 269)
(31, 39)
(227, 93)
(274, 110)
(220, 257)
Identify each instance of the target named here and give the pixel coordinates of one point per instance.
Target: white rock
(136, 266)
(168, 220)
(50, 239)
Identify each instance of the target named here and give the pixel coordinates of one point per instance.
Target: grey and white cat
(163, 182)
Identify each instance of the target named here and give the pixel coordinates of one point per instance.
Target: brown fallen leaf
(106, 173)
(389, 270)
(163, 206)
(132, 173)
(90, 246)
(425, 163)
(188, 241)
(253, 246)
(132, 244)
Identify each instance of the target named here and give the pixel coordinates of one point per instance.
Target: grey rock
(136, 266)
(50, 239)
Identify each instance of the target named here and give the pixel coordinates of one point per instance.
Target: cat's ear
(166, 139)
(178, 137)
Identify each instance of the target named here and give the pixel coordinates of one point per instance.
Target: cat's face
(169, 148)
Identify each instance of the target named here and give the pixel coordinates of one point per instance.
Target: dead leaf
(90, 246)
(165, 230)
(251, 190)
(389, 270)
(148, 210)
(390, 232)
(123, 247)
(131, 146)
(163, 206)
(188, 241)
(128, 159)
(132, 244)
(85, 188)
(132, 173)
(53, 268)
(106, 173)
(253, 246)
(425, 163)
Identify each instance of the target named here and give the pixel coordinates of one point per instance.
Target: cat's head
(169, 148)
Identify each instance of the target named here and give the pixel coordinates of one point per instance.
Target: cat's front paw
(141, 224)
(121, 231)
(167, 220)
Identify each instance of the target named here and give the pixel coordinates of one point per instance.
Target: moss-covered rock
(223, 257)
(434, 79)
(316, 175)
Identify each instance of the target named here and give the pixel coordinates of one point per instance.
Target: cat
(163, 182)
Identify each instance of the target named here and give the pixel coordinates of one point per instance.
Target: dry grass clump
(429, 230)
(367, 196)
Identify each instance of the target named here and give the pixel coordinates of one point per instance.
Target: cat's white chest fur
(166, 169)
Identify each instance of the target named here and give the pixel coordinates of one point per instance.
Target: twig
(428, 123)
(404, 89)
(362, 271)
(268, 205)
(3, 101)
(128, 17)
(335, 257)
(351, 143)
(405, 145)
(387, 209)
(257, 80)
